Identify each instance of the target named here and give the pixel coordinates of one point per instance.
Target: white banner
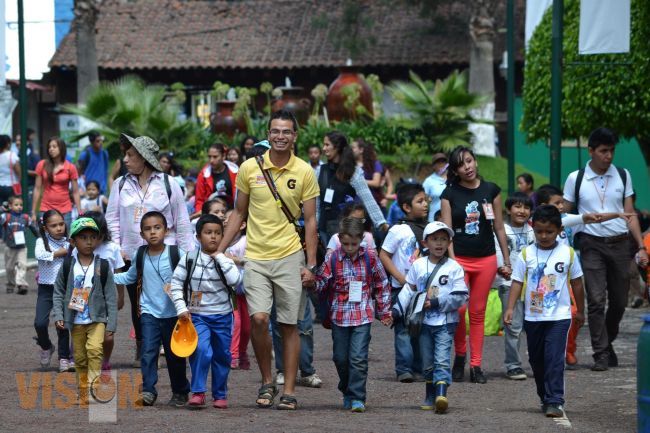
(535, 10)
(604, 26)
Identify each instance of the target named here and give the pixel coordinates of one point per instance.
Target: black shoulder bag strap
(231, 291)
(187, 283)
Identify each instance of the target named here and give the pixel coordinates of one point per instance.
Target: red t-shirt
(55, 194)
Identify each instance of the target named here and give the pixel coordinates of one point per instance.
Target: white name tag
(329, 195)
(19, 237)
(355, 291)
(489, 212)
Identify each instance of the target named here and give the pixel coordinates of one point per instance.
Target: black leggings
(42, 321)
(135, 318)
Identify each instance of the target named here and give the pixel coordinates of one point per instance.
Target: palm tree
(129, 105)
(441, 110)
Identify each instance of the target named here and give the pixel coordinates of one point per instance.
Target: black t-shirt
(473, 233)
(223, 185)
(343, 193)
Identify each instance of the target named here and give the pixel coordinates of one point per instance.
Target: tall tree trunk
(86, 12)
(481, 73)
(644, 145)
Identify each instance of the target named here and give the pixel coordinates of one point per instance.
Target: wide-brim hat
(146, 147)
(439, 156)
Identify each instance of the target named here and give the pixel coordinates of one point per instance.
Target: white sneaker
(64, 365)
(71, 365)
(46, 357)
(312, 381)
(279, 379)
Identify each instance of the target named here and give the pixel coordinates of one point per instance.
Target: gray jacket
(102, 303)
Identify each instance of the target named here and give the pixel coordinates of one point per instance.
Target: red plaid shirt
(335, 283)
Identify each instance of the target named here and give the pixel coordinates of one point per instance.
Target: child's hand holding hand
(184, 317)
(61, 252)
(59, 324)
(580, 318)
(590, 218)
(507, 317)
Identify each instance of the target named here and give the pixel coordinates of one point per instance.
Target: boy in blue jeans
(398, 252)
(440, 281)
(209, 298)
(153, 269)
(546, 272)
(352, 276)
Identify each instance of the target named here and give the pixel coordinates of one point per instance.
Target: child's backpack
(174, 258)
(326, 296)
(190, 264)
(413, 319)
(104, 267)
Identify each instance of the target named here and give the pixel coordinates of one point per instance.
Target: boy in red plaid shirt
(350, 276)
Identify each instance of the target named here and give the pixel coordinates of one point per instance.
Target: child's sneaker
(46, 356)
(197, 401)
(347, 403)
(358, 406)
(146, 399)
(10, 289)
(234, 364)
(71, 366)
(279, 378)
(516, 373)
(311, 381)
(22, 290)
(177, 400)
(64, 365)
(554, 411)
(244, 363)
(220, 403)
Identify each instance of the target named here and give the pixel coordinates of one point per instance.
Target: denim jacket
(102, 303)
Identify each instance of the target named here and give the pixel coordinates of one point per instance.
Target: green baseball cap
(82, 224)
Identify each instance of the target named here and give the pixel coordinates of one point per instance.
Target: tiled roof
(173, 34)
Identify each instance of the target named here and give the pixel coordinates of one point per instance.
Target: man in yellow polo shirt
(275, 263)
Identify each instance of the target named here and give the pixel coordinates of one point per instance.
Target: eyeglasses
(284, 132)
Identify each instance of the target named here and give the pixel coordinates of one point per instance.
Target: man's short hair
(284, 115)
(601, 136)
(219, 147)
(92, 136)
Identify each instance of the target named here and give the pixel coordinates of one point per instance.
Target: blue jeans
(306, 332)
(42, 322)
(157, 331)
(407, 349)
(212, 353)
(546, 351)
(350, 347)
(512, 333)
(435, 346)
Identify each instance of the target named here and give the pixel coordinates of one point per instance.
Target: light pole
(510, 93)
(556, 92)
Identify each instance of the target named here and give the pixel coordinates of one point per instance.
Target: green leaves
(130, 106)
(441, 110)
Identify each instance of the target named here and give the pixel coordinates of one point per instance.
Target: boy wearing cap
(440, 282)
(85, 302)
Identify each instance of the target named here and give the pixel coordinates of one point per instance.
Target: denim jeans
(212, 353)
(435, 346)
(512, 333)
(306, 332)
(350, 347)
(154, 333)
(42, 321)
(546, 349)
(407, 348)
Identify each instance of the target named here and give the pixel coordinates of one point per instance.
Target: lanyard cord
(154, 267)
(548, 257)
(604, 188)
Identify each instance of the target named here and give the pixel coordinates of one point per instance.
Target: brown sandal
(288, 402)
(266, 392)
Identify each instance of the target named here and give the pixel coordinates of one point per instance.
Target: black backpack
(174, 258)
(168, 186)
(103, 269)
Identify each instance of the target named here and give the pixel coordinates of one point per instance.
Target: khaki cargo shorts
(279, 280)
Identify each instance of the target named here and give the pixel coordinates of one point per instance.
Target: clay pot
(293, 100)
(336, 99)
(223, 122)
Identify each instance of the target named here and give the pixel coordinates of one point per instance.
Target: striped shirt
(208, 293)
(335, 283)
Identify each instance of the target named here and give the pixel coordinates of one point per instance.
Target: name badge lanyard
(547, 257)
(355, 286)
(601, 198)
(139, 211)
(521, 237)
(156, 268)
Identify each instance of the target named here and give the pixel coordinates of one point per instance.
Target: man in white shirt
(606, 249)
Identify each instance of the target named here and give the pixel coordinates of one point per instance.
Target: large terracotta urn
(336, 99)
(293, 100)
(223, 121)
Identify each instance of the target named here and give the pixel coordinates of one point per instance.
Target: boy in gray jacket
(85, 302)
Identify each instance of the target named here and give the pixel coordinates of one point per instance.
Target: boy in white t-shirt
(519, 234)
(398, 252)
(441, 281)
(544, 271)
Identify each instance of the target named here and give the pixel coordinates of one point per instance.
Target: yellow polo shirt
(269, 234)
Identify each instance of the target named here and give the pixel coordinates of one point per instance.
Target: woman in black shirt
(472, 208)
